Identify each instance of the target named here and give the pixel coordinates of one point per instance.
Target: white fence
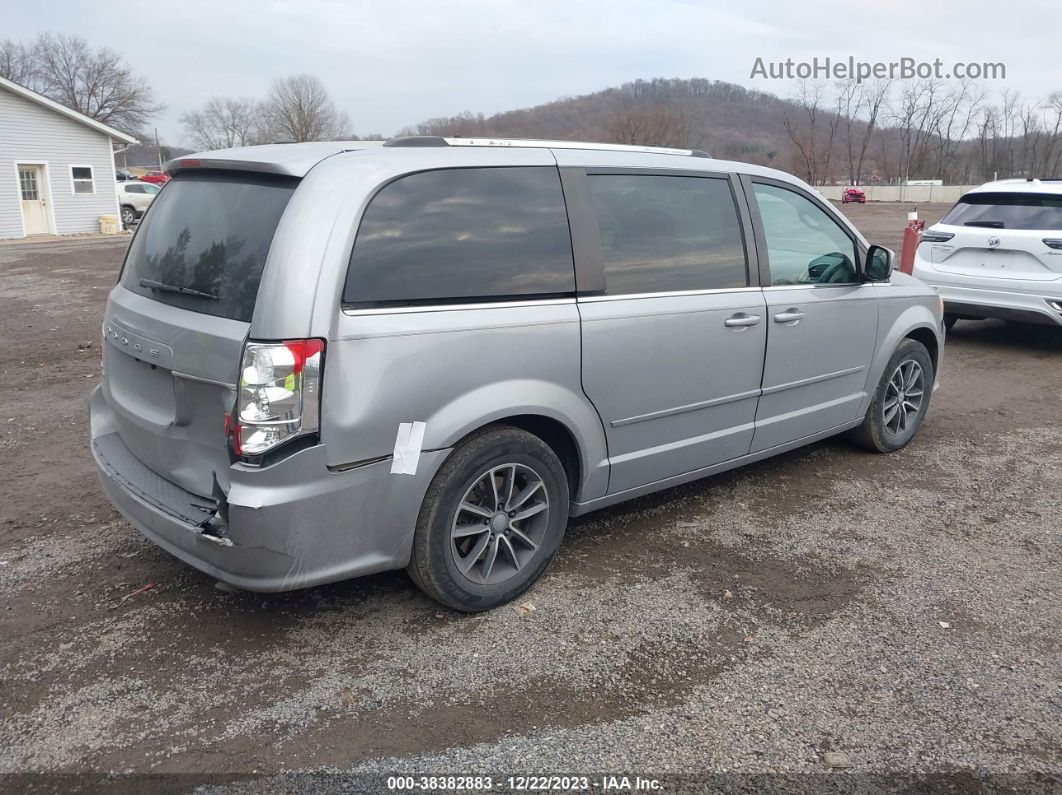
(917, 194)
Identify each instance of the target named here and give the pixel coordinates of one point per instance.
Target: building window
(81, 179)
(27, 180)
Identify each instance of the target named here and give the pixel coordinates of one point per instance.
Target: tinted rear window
(668, 233)
(464, 234)
(1007, 211)
(207, 234)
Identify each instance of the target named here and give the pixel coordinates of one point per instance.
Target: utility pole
(158, 149)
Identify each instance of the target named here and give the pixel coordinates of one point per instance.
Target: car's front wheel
(900, 401)
(491, 521)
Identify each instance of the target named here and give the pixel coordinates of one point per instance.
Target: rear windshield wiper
(175, 288)
(989, 224)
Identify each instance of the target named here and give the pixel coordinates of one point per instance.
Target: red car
(849, 195)
(155, 176)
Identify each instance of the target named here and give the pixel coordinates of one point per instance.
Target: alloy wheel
(904, 397)
(499, 524)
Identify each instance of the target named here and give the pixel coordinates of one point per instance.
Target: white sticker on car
(407, 448)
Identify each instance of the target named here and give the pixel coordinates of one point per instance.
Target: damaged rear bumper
(290, 525)
(174, 519)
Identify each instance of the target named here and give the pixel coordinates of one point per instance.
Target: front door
(31, 195)
(673, 351)
(822, 320)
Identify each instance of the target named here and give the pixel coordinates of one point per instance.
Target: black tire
(878, 432)
(949, 320)
(433, 565)
(128, 215)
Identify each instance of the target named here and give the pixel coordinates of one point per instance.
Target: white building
(56, 166)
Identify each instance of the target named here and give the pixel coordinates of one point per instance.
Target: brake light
(279, 395)
(936, 237)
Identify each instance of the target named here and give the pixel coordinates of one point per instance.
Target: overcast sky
(391, 64)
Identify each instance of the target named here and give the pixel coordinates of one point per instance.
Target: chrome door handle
(741, 320)
(791, 315)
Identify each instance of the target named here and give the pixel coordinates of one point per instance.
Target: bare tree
(298, 108)
(874, 98)
(812, 128)
(850, 104)
(1033, 139)
(987, 140)
(95, 82)
(913, 118)
(464, 125)
(1053, 126)
(16, 63)
(661, 126)
(952, 124)
(224, 122)
(1008, 111)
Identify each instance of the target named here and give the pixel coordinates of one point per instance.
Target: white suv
(998, 253)
(134, 198)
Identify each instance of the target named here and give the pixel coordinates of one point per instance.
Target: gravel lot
(898, 614)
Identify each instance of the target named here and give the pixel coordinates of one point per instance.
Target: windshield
(203, 244)
(1007, 211)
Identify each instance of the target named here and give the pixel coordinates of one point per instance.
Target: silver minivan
(327, 360)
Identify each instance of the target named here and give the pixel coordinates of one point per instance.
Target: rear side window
(203, 244)
(668, 233)
(464, 234)
(1007, 211)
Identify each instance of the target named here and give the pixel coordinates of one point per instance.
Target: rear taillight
(936, 237)
(279, 395)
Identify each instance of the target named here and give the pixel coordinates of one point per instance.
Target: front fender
(906, 307)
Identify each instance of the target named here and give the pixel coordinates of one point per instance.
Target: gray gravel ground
(901, 610)
(942, 656)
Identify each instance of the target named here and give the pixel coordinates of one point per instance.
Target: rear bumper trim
(982, 302)
(1020, 314)
(118, 463)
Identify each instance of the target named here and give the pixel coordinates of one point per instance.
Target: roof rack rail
(438, 140)
(416, 140)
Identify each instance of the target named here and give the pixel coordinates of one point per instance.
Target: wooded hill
(827, 133)
(725, 119)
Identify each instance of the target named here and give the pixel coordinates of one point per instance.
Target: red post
(912, 235)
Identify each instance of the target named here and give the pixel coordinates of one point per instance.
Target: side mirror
(878, 264)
